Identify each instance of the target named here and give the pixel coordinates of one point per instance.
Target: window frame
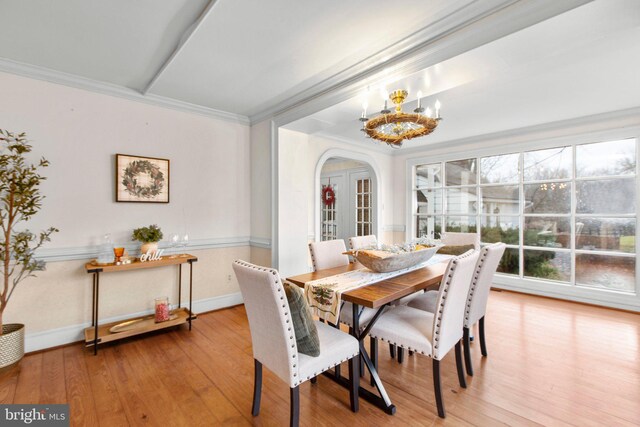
(567, 290)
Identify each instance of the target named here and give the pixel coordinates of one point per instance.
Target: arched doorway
(353, 179)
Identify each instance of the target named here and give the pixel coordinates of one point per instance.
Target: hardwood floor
(550, 363)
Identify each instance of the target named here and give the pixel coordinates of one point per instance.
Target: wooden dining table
(376, 295)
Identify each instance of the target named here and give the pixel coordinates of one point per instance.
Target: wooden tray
(142, 322)
(105, 334)
(383, 264)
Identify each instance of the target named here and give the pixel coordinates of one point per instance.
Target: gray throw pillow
(303, 323)
(455, 250)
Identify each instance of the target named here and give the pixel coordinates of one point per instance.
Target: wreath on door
(328, 195)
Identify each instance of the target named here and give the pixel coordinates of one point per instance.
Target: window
(364, 217)
(567, 214)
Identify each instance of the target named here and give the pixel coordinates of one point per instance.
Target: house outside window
(567, 213)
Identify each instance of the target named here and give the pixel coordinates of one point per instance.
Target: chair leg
(400, 355)
(467, 351)
(392, 351)
(483, 342)
(437, 389)
(257, 387)
(373, 354)
(461, 379)
(354, 383)
(294, 419)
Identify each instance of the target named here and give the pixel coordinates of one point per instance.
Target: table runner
(324, 296)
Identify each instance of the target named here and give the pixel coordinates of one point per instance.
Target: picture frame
(142, 179)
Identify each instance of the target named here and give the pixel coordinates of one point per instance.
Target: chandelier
(393, 128)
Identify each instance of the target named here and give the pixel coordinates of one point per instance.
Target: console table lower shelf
(138, 325)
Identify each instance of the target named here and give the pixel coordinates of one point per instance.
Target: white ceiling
(115, 41)
(252, 57)
(237, 56)
(580, 63)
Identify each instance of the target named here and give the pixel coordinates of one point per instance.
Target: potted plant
(149, 237)
(20, 199)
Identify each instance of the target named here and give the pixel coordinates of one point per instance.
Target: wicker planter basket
(11, 344)
(383, 262)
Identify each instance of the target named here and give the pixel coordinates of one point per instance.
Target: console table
(101, 333)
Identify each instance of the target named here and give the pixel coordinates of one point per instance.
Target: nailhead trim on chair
(277, 283)
(313, 258)
(474, 284)
(445, 289)
(326, 369)
(292, 338)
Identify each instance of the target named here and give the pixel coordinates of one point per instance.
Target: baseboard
(68, 334)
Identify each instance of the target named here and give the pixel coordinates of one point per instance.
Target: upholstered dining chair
(460, 239)
(366, 314)
(476, 308)
(433, 334)
(362, 241)
(328, 254)
(274, 341)
(448, 239)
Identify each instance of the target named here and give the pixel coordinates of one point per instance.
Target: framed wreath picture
(142, 179)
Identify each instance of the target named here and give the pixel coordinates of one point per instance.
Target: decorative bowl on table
(385, 259)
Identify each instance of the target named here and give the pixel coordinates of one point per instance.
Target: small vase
(11, 344)
(163, 309)
(149, 246)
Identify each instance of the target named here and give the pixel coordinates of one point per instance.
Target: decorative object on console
(142, 179)
(20, 199)
(385, 258)
(393, 128)
(118, 254)
(163, 309)
(149, 236)
(106, 254)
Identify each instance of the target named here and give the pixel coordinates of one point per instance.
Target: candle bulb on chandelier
(364, 110)
(419, 99)
(428, 112)
(437, 109)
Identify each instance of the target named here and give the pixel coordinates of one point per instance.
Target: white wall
(294, 177)
(80, 132)
(298, 157)
(261, 180)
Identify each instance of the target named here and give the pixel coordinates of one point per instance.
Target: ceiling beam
(189, 32)
(448, 38)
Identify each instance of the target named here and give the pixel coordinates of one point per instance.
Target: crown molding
(611, 120)
(469, 26)
(368, 145)
(78, 82)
